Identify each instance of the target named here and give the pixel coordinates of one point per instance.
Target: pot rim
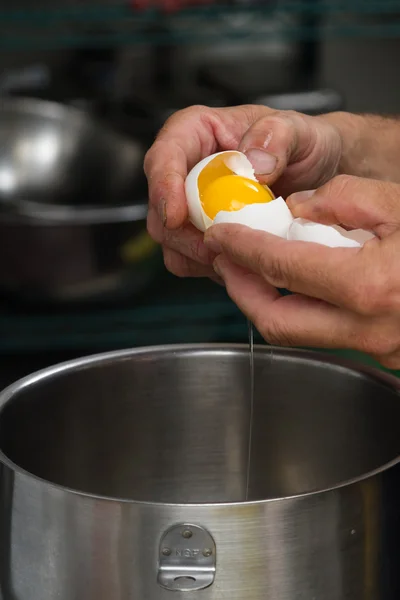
(36, 214)
(12, 390)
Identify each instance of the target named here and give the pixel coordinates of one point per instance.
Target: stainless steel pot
(73, 207)
(75, 257)
(123, 476)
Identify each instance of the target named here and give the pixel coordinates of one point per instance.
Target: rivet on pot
(187, 534)
(207, 552)
(167, 551)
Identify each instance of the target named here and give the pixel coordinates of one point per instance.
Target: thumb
(352, 202)
(289, 144)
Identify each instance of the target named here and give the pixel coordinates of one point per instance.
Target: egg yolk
(232, 192)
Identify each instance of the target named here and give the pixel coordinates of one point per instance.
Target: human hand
(289, 151)
(343, 297)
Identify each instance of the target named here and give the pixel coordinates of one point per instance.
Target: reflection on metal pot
(72, 195)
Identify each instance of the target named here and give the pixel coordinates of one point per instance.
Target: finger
(182, 266)
(303, 149)
(166, 168)
(186, 240)
(170, 158)
(155, 227)
(300, 320)
(348, 277)
(389, 361)
(353, 202)
(187, 137)
(190, 242)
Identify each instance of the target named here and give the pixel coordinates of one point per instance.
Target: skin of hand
(370, 145)
(342, 297)
(288, 150)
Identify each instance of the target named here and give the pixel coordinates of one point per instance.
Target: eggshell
(236, 161)
(333, 236)
(273, 217)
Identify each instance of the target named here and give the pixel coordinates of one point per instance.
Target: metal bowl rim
(9, 392)
(35, 214)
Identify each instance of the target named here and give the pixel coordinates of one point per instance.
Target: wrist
(351, 131)
(370, 145)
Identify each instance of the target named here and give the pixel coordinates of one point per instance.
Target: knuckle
(283, 121)
(173, 264)
(189, 113)
(287, 119)
(182, 266)
(147, 160)
(200, 252)
(273, 269)
(152, 152)
(275, 124)
(340, 184)
(174, 119)
(195, 109)
(292, 113)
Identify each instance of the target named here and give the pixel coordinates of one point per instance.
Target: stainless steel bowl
(73, 205)
(124, 476)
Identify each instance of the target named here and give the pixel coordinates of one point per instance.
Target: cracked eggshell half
(273, 217)
(208, 170)
(333, 236)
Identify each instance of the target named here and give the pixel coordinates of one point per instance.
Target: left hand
(343, 297)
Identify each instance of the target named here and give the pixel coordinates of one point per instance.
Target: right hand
(289, 151)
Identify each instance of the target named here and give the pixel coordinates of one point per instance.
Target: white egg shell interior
(237, 162)
(273, 217)
(333, 236)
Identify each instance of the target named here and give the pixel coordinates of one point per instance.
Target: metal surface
(72, 195)
(154, 438)
(187, 559)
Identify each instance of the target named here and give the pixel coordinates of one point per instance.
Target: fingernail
(162, 211)
(263, 163)
(212, 244)
(299, 197)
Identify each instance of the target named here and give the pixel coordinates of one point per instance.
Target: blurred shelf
(114, 23)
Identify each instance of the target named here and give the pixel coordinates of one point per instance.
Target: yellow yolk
(213, 170)
(231, 192)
